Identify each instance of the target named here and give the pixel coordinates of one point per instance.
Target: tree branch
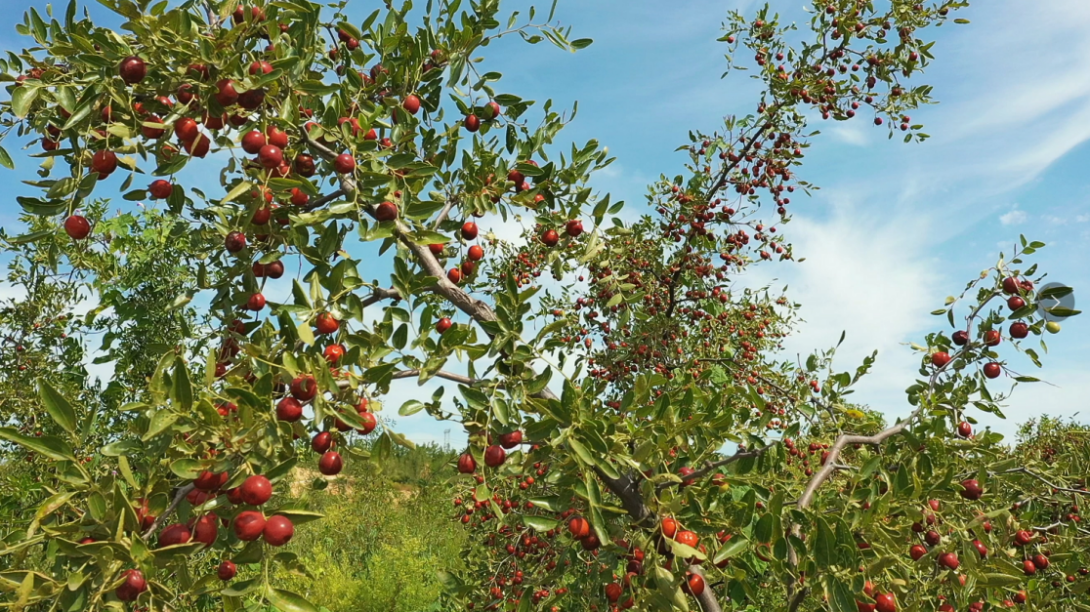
(1025, 470)
(707, 469)
(380, 294)
(458, 378)
(158, 522)
(322, 201)
(706, 599)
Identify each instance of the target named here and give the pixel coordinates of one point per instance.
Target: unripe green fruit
(1052, 327)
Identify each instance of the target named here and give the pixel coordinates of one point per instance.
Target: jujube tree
(602, 364)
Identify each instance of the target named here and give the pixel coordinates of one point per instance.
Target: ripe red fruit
(1019, 330)
(134, 585)
(226, 571)
(992, 370)
(1010, 285)
(248, 525)
(579, 528)
(550, 238)
(466, 464)
(613, 592)
(186, 129)
(469, 230)
(274, 269)
(333, 353)
(256, 490)
(174, 534)
(330, 463)
(369, 423)
(964, 429)
(387, 211)
(252, 142)
(884, 602)
(278, 530)
(205, 529)
(1022, 537)
(493, 109)
(574, 227)
(289, 409)
(494, 456)
(1014, 302)
(694, 584)
(277, 137)
(235, 242)
(210, 481)
(669, 527)
(687, 538)
(261, 217)
(961, 337)
(322, 442)
(198, 147)
(972, 489)
(472, 123)
(940, 359)
(917, 551)
(949, 560)
(152, 133)
(511, 439)
(226, 94)
(590, 542)
(304, 387)
(1029, 568)
(980, 548)
(77, 227)
(255, 302)
(160, 189)
(992, 337)
(411, 103)
(104, 163)
(454, 275)
(476, 253)
(344, 164)
(132, 70)
(1020, 597)
(260, 66)
(1040, 561)
(326, 323)
(270, 156)
(443, 325)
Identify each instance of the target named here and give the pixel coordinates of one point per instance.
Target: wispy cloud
(1013, 217)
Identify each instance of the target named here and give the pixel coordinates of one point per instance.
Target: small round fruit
(132, 70)
(472, 123)
(965, 429)
(884, 602)
(104, 163)
(493, 109)
(687, 538)
(248, 525)
(278, 530)
(344, 164)
(917, 552)
(469, 230)
(333, 353)
(304, 388)
(961, 337)
(550, 238)
(466, 464)
(330, 463)
(174, 534)
(270, 156)
(326, 323)
(77, 227)
(579, 528)
(253, 141)
(370, 422)
(226, 571)
(160, 189)
(256, 490)
(494, 456)
(949, 560)
(992, 370)
(411, 104)
(1014, 302)
(443, 325)
(940, 359)
(971, 489)
(574, 227)
(454, 275)
(1019, 330)
(322, 442)
(255, 302)
(235, 242)
(511, 439)
(694, 584)
(476, 253)
(226, 94)
(669, 527)
(387, 211)
(1052, 327)
(1029, 568)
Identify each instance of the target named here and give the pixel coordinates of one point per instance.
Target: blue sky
(895, 227)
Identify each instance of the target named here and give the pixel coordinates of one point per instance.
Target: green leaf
(410, 408)
(59, 408)
(183, 389)
(732, 548)
(239, 189)
(5, 159)
(540, 523)
(50, 446)
(824, 544)
(839, 595)
(187, 468)
(286, 601)
(21, 100)
(121, 448)
(305, 333)
(299, 517)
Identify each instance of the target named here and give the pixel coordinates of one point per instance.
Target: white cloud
(1013, 217)
(1082, 218)
(853, 135)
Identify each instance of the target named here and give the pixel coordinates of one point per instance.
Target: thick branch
(458, 378)
(380, 294)
(322, 201)
(1025, 470)
(182, 492)
(706, 599)
(628, 491)
(834, 453)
